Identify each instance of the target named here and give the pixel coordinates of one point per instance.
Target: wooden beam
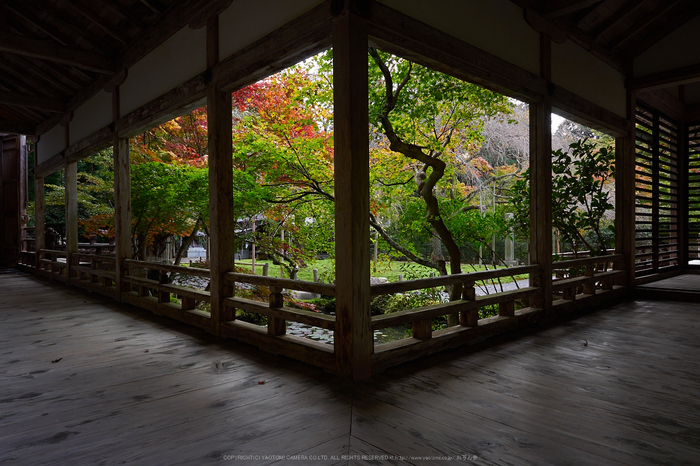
(301, 38)
(621, 13)
(84, 59)
(683, 75)
(663, 101)
(555, 8)
(222, 222)
(654, 37)
(574, 107)
(100, 23)
(31, 101)
(645, 21)
(353, 329)
(396, 33)
(542, 25)
(558, 26)
(207, 10)
(12, 127)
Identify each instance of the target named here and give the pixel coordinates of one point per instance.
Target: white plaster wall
(678, 49)
(577, 71)
(51, 143)
(92, 116)
(246, 21)
(509, 37)
(178, 59)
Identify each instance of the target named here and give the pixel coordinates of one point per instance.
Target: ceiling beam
(655, 36)
(13, 43)
(12, 127)
(643, 23)
(684, 75)
(621, 13)
(556, 8)
(100, 23)
(30, 101)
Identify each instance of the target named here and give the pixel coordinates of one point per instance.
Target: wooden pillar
(541, 185)
(122, 197)
(39, 211)
(625, 194)
(682, 193)
(221, 220)
(71, 190)
(353, 328)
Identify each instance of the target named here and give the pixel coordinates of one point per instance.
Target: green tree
(581, 196)
(435, 122)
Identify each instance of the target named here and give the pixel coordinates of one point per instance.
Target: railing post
(422, 329)
(589, 288)
(163, 296)
(353, 338)
(275, 325)
(506, 309)
(470, 317)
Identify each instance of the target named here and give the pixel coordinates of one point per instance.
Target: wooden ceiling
(55, 54)
(615, 30)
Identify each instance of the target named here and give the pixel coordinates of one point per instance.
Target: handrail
(410, 316)
(169, 268)
(421, 283)
(586, 261)
(53, 251)
(286, 283)
(96, 257)
(580, 253)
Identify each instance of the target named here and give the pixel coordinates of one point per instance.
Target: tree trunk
(186, 242)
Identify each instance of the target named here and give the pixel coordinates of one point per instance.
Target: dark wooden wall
(12, 197)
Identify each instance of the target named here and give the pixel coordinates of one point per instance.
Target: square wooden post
(221, 216)
(353, 328)
(122, 198)
(625, 194)
(71, 190)
(541, 185)
(39, 224)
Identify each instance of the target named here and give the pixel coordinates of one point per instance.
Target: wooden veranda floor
(89, 381)
(684, 287)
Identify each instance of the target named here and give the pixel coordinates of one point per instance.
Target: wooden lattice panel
(656, 192)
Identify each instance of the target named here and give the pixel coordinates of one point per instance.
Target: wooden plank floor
(684, 287)
(88, 381)
(684, 282)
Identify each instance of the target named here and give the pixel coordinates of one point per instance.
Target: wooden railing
(94, 272)
(273, 336)
(27, 253)
(575, 283)
(578, 279)
(49, 264)
(155, 294)
(471, 328)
